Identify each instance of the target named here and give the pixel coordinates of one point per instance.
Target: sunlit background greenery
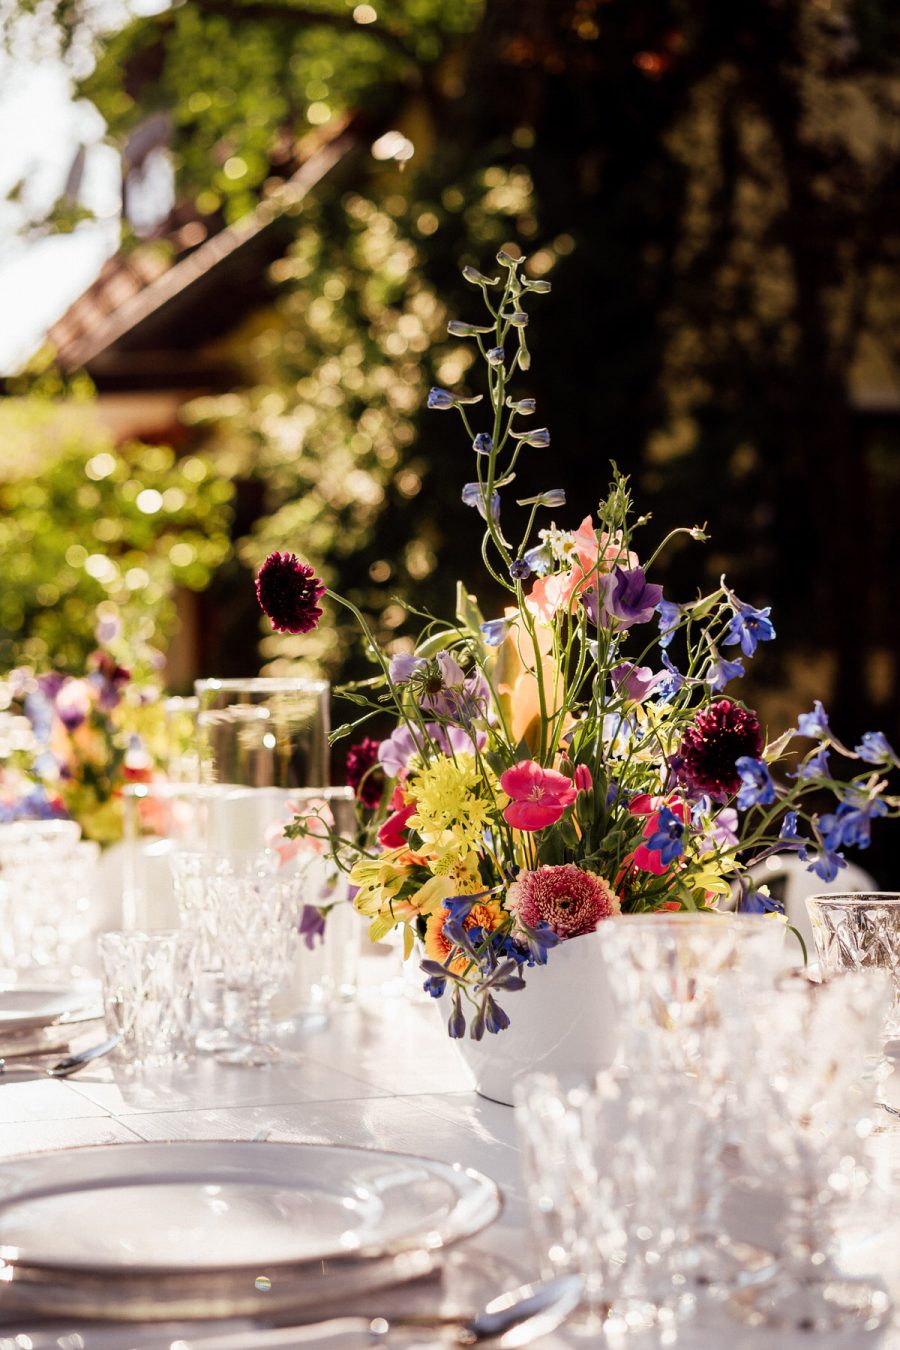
(713, 192)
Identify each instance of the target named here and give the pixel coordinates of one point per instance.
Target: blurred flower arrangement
(69, 744)
(577, 756)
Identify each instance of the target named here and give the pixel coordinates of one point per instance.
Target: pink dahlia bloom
(539, 796)
(568, 900)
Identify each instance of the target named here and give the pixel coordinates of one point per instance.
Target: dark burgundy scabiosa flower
(363, 774)
(719, 736)
(288, 590)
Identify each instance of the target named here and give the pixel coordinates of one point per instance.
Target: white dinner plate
(25, 1008)
(214, 1228)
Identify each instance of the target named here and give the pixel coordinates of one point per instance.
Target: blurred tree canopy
(97, 534)
(714, 191)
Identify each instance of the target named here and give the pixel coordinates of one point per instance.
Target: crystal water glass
(611, 1167)
(193, 872)
(257, 919)
(680, 983)
(49, 886)
(806, 1116)
(147, 991)
(857, 931)
(263, 732)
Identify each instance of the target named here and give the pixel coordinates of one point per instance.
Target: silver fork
(64, 1067)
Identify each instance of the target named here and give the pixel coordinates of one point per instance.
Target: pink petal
(393, 832)
(521, 779)
(532, 815)
(649, 860)
(583, 778)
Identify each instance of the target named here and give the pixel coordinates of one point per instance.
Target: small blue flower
(495, 356)
(435, 985)
(668, 841)
(757, 788)
(814, 724)
(539, 438)
(472, 495)
(754, 902)
(721, 671)
(495, 1018)
(519, 569)
(495, 630)
(825, 863)
(483, 443)
(523, 406)
(669, 614)
(540, 560)
(851, 824)
(669, 686)
(875, 748)
(789, 826)
(749, 627)
(815, 767)
(440, 399)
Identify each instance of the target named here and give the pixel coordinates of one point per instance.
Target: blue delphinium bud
(519, 570)
(507, 259)
(477, 278)
(440, 399)
(518, 318)
(539, 438)
(539, 287)
(553, 497)
(496, 356)
(523, 406)
(495, 1018)
(457, 1023)
(483, 443)
(458, 328)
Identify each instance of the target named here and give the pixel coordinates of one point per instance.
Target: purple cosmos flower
(668, 841)
(757, 788)
(816, 766)
(814, 724)
(495, 630)
(669, 615)
(635, 682)
(483, 443)
(875, 748)
(288, 591)
(721, 671)
(631, 599)
(749, 627)
(312, 926)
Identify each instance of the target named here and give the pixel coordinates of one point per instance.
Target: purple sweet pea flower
(631, 598)
(312, 926)
(404, 666)
(635, 682)
(721, 832)
(395, 752)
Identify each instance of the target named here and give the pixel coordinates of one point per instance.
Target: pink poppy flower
(539, 796)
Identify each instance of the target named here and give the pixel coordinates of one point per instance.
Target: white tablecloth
(381, 1075)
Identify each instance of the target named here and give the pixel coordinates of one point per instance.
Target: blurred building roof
(149, 318)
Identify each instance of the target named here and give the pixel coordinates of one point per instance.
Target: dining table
(379, 1073)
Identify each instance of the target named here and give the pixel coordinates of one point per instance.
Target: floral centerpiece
(70, 743)
(580, 754)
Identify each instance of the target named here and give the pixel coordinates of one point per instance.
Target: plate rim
(35, 1021)
(493, 1196)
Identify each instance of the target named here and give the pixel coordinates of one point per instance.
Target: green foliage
(90, 531)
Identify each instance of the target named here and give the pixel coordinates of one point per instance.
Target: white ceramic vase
(563, 1021)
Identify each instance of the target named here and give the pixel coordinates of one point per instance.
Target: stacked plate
(202, 1229)
(35, 1019)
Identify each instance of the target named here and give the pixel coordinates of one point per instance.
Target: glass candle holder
(263, 732)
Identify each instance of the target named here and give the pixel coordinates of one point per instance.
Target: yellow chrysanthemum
(454, 805)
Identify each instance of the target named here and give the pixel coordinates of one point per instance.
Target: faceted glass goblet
(810, 1039)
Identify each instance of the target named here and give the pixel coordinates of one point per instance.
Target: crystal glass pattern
(147, 988)
(803, 1120)
(611, 1172)
(48, 894)
(859, 931)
